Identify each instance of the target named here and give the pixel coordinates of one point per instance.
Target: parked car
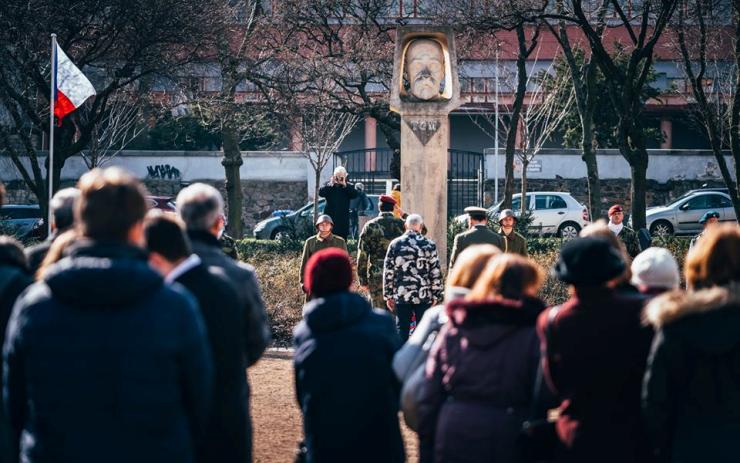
(163, 203)
(681, 216)
(23, 221)
(300, 220)
(553, 213)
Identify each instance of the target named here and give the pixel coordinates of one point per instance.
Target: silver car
(553, 213)
(681, 216)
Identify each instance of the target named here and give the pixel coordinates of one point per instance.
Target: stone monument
(424, 90)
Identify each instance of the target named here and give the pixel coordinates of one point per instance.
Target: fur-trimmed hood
(674, 305)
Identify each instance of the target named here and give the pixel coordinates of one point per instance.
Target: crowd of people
(129, 333)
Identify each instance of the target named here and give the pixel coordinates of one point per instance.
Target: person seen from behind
(62, 206)
(103, 360)
(226, 437)
(412, 278)
(600, 229)
(409, 361)
(358, 206)
(655, 271)
(344, 382)
(14, 279)
(691, 393)
(481, 372)
(594, 349)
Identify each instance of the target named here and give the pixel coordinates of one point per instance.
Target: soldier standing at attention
(372, 247)
(512, 241)
(322, 240)
(623, 232)
(478, 233)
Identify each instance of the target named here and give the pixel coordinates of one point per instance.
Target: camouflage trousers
(376, 294)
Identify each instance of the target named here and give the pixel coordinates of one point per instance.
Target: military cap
(324, 218)
(708, 215)
(387, 199)
(476, 212)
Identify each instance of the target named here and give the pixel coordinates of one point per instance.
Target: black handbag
(538, 440)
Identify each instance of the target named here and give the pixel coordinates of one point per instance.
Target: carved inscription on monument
(424, 129)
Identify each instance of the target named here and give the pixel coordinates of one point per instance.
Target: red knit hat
(328, 271)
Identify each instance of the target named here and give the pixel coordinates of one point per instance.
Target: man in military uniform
(623, 232)
(708, 219)
(322, 240)
(478, 233)
(372, 247)
(512, 241)
(228, 246)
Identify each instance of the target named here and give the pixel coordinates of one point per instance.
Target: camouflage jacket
(411, 272)
(228, 246)
(630, 240)
(373, 245)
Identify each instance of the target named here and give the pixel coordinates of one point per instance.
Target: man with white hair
(202, 209)
(338, 193)
(62, 207)
(412, 278)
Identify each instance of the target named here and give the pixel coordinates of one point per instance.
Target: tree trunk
(638, 171)
(525, 164)
(316, 195)
(232, 161)
(521, 89)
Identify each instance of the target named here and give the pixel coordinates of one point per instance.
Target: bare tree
(705, 41)
(322, 131)
(120, 125)
(117, 42)
(548, 105)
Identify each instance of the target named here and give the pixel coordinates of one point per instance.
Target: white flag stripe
(71, 81)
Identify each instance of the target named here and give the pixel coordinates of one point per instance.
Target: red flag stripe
(62, 106)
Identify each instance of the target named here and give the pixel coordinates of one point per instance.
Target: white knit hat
(655, 268)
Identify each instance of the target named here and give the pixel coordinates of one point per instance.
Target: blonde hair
(56, 252)
(715, 260)
(469, 265)
(508, 276)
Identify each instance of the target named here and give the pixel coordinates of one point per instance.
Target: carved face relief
(425, 68)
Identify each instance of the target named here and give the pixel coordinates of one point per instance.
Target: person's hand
(391, 304)
(365, 288)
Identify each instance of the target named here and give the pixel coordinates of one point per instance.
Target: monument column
(425, 89)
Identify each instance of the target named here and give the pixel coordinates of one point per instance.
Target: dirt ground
(275, 413)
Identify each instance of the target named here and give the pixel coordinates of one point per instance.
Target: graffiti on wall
(163, 171)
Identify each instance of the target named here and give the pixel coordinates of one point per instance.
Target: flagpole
(50, 169)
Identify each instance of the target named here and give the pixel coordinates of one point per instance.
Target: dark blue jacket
(103, 362)
(344, 381)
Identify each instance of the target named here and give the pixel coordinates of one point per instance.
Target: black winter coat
(228, 434)
(479, 382)
(691, 392)
(256, 332)
(338, 198)
(346, 388)
(104, 362)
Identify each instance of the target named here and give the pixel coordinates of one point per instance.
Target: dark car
(300, 221)
(21, 220)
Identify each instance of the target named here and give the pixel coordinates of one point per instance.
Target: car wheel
(661, 228)
(281, 234)
(569, 230)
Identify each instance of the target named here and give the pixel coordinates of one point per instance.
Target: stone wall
(261, 197)
(613, 191)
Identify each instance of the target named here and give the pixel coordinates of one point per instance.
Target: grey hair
(62, 207)
(199, 205)
(340, 170)
(414, 220)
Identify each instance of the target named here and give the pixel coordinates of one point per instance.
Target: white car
(553, 213)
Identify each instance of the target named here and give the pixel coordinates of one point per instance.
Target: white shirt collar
(615, 228)
(188, 264)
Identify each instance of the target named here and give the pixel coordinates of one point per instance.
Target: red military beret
(387, 199)
(615, 208)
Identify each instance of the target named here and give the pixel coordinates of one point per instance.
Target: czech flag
(72, 87)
